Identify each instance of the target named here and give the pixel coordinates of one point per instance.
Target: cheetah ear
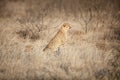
(64, 25)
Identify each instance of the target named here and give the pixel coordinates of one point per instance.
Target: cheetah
(59, 39)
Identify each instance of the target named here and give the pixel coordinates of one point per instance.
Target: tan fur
(59, 39)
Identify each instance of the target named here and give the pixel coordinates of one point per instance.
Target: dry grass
(88, 55)
(22, 58)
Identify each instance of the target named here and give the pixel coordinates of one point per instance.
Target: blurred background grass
(92, 51)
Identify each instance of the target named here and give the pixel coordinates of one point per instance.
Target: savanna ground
(92, 51)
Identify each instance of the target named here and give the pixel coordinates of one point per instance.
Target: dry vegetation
(91, 53)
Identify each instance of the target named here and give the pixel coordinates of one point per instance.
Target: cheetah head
(66, 26)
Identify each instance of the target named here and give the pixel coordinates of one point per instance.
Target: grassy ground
(82, 58)
(92, 52)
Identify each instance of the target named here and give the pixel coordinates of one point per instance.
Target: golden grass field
(92, 51)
